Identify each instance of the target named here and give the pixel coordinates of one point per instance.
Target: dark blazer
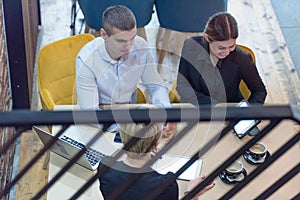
(149, 180)
(200, 83)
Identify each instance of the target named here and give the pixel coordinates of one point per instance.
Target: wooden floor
(258, 29)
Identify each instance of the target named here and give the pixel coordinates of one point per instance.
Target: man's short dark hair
(119, 17)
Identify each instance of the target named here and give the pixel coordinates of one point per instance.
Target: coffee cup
(258, 151)
(234, 170)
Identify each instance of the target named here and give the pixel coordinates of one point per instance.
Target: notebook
(172, 163)
(68, 147)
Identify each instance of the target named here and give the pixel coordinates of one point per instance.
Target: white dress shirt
(102, 80)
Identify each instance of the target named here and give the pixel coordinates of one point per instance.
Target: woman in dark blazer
(212, 66)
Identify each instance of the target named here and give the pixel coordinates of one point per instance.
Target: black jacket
(201, 83)
(147, 183)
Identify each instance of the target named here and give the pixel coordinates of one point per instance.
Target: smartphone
(117, 138)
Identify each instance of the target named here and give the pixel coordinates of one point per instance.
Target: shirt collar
(105, 56)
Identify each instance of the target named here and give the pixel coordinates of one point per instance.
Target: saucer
(252, 161)
(228, 180)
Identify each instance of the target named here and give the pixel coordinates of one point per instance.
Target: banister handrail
(20, 117)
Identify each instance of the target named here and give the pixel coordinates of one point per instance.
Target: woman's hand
(193, 183)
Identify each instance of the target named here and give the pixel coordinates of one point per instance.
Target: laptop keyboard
(92, 155)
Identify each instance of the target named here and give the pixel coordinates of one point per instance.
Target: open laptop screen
(68, 148)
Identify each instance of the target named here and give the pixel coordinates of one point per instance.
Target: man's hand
(169, 130)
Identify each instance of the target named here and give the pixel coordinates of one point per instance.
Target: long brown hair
(221, 26)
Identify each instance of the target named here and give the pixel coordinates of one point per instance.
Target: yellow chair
(173, 94)
(243, 87)
(56, 71)
(140, 96)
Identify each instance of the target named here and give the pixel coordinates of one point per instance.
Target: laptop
(68, 147)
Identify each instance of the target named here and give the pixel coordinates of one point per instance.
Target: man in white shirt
(109, 67)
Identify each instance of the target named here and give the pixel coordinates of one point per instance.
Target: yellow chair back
(140, 96)
(173, 94)
(56, 71)
(243, 87)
